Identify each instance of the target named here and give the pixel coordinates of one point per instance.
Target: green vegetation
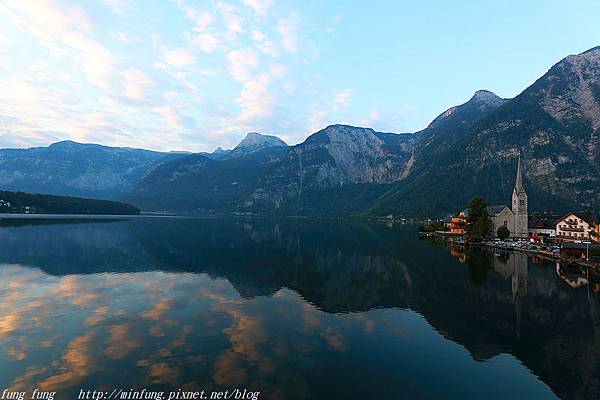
(432, 226)
(479, 224)
(50, 204)
(503, 233)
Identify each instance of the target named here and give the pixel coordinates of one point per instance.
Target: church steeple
(519, 205)
(519, 180)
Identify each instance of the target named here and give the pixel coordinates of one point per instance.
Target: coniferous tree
(479, 223)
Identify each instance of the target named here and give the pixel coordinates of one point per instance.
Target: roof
(587, 216)
(494, 210)
(543, 221)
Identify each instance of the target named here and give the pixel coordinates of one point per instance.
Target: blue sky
(194, 75)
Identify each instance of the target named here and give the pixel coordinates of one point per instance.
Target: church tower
(519, 205)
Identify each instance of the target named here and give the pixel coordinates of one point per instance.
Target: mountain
(218, 153)
(342, 163)
(470, 149)
(76, 169)
(254, 142)
(251, 143)
(450, 127)
(554, 125)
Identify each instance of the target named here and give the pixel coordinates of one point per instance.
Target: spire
(519, 181)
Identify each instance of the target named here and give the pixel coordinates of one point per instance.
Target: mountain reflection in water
(291, 308)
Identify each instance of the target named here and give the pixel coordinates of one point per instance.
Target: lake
(290, 308)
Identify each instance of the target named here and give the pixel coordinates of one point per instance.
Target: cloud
(65, 32)
(372, 118)
(242, 63)
(263, 44)
(121, 37)
(226, 66)
(136, 83)
(202, 20)
(318, 119)
(4, 43)
(207, 42)
(278, 70)
(255, 99)
(335, 21)
(341, 99)
(261, 7)
(287, 28)
(117, 6)
(180, 57)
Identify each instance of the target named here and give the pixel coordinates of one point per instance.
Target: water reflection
(293, 308)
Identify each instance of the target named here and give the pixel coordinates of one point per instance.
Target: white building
(576, 227)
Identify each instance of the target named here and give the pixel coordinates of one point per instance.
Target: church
(515, 218)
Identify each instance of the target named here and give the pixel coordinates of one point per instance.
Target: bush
(503, 233)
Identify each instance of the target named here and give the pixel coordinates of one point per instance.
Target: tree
(503, 233)
(432, 226)
(479, 223)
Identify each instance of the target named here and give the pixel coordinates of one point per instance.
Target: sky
(194, 75)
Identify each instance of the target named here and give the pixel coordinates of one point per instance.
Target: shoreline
(447, 236)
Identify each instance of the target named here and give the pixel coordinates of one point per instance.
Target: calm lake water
(291, 308)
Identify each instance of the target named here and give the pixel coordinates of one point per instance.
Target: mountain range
(77, 169)
(471, 149)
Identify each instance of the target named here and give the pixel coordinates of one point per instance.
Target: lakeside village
(574, 237)
(6, 207)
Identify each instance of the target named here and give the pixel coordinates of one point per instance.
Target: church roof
(495, 210)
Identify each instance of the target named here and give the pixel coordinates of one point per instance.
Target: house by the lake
(576, 227)
(457, 223)
(543, 225)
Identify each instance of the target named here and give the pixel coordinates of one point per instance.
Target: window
(505, 223)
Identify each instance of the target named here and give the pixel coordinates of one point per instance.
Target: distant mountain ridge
(278, 178)
(77, 169)
(470, 149)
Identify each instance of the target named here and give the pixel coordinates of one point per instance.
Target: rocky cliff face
(75, 169)
(255, 141)
(341, 154)
(570, 91)
(276, 178)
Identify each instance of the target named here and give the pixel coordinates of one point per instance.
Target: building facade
(457, 223)
(577, 227)
(502, 216)
(543, 226)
